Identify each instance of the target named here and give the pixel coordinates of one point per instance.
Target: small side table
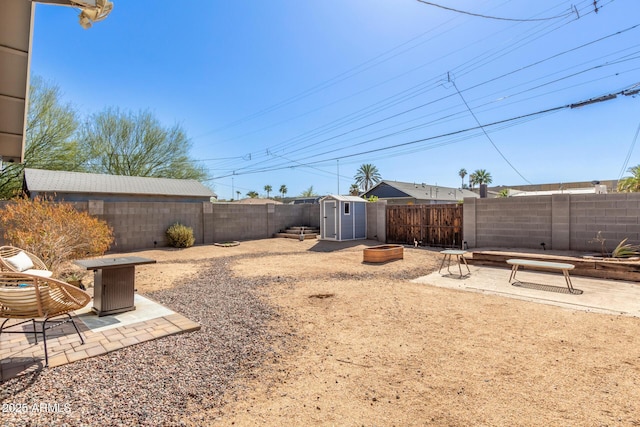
(113, 282)
(459, 256)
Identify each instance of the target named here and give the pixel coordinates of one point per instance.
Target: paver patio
(20, 354)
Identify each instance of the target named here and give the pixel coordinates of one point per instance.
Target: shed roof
(345, 198)
(46, 181)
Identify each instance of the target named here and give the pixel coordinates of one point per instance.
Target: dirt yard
(366, 347)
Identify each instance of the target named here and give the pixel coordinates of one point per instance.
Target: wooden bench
(543, 265)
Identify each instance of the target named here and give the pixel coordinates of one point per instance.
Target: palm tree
(308, 192)
(462, 173)
(630, 184)
(253, 194)
(283, 190)
(354, 190)
(367, 176)
(482, 177)
(238, 195)
(472, 180)
(268, 189)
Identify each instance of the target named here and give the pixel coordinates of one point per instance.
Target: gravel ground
(160, 382)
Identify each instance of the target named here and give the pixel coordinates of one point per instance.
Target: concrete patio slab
(598, 295)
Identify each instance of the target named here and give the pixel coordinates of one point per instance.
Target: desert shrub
(56, 232)
(180, 236)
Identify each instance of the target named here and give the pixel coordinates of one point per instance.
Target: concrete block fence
(560, 221)
(142, 225)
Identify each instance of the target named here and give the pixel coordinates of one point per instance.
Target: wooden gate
(430, 225)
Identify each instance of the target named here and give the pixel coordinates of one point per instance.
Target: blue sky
(302, 93)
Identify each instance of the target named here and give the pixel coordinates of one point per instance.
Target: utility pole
(338, 166)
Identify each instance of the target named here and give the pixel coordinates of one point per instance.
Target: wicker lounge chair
(21, 261)
(34, 299)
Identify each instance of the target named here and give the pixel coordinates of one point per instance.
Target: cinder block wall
(561, 221)
(523, 222)
(232, 221)
(616, 216)
(377, 221)
(307, 215)
(142, 225)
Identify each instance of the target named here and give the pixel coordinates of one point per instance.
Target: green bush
(180, 236)
(54, 231)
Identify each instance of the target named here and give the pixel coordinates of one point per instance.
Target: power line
(345, 75)
(373, 62)
(335, 137)
(487, 135)
(295, 143)
(564, 15)
(404, 144)
(406, 96)
(626, 160)
(306, 165)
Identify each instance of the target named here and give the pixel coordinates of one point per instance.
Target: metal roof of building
(45, 181)
(345, 198)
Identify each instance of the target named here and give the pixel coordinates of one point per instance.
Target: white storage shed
(343, 218)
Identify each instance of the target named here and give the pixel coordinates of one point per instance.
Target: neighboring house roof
(597, 189)
(303, 200)
(45, 181)
(257, 201)
(610, 184)
(396, 189)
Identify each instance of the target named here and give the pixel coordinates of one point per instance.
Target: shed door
(330, 220)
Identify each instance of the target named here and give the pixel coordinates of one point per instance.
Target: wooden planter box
(383, 253)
